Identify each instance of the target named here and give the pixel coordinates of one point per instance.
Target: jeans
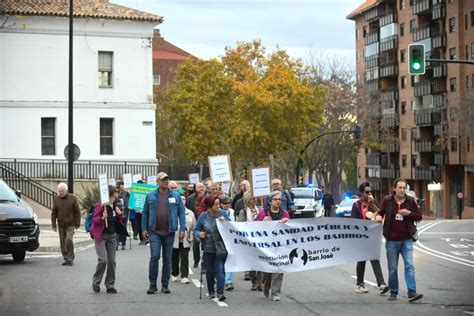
(214, 271)
(228, 278)
(377, 271)
(180, 261)
(156, 243)
(394, 249)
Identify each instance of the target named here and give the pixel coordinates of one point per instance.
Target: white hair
(62, 186)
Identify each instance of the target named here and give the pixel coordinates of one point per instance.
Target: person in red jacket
(401, 212)
(365, 208)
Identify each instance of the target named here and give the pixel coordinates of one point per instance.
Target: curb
(57, 248)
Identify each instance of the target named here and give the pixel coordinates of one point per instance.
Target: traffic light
(416, 59)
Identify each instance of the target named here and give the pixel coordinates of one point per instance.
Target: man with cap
(161, 212)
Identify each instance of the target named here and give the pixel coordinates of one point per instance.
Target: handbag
(221, 250)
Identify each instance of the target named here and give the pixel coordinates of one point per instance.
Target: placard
(226, 187)
(127, 181)
(112, 182)
(151, 180)
(136, 177)
(260, 178)
(193, 178)
(103, 188)
(138, 193)
(219, 168)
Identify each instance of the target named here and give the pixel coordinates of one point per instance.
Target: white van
(308, 202)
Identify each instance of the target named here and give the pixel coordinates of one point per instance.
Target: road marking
(420, 247)
(365, 281)
(221, 304)
(197, 283)
(190, 271)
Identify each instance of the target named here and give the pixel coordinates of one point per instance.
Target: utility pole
(70, 163)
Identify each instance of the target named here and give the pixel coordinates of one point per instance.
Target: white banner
(300, 244)
(104, 188)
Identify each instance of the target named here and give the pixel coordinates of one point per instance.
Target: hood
(303, 201)
(15, 210)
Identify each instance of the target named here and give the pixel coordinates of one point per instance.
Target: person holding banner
(205, 230)
(366, 208)
(401, 212)
(273, 212)
(225, 206)
(161, 212)
(192, 203)
(286, 202)
(106, 225)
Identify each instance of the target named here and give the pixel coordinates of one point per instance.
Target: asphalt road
(444, 264)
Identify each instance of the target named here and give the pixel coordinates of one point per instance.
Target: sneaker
(174, 278)
(112, 290)
(383, 289)
(96, 289)
(211, 295)
(414, 297)
(221, 297)
(64, 263)
(165, 289)
(185, 281)
(361, 289)
(392, 297)
(276, 298)
(135, 237)
(153, 289)
(229, 287)
(195, 265)
(123, 247)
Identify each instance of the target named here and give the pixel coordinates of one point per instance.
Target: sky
(301, 27)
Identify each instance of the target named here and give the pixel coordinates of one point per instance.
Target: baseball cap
(162, 176)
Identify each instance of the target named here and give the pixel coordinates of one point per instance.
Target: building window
(413, 160)
(364, 31)
(402, 29)
(465, 22)
(472, 50)
(357, 56)
(403, 82)
(468, 144)
(106, 136)
(452, 84)
(452, 53)
(402, 56)
(404, 161)
(452, 25)
(404, 107)
(472, 18)
(454, 144)
(156, 80)
(412, 25)
(467, 52)
(467, 82)
(402, 4)
(48, 136)
(105, 69)
(404, 134)
(413, 134)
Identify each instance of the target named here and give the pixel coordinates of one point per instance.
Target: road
(444, 262)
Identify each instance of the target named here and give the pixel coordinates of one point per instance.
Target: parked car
(308, 202)
(345, 207)
(19, 229)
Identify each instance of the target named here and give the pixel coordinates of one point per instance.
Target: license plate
(298, 212)
(16, 239)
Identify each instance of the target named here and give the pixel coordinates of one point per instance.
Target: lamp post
(70, 163)
(299, 165)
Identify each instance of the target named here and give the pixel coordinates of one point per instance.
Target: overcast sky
(205, 27)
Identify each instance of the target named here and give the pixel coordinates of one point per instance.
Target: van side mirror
(18, 193)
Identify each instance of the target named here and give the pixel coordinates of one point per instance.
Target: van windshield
(6, 194)
(303, 193)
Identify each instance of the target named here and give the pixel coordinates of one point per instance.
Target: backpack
(88, 221)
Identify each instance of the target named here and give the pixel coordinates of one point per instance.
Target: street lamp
(70, 158)
(357, 131)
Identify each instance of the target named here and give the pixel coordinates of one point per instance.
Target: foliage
(90, 197)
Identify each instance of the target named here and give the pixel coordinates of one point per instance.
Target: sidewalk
(49, 240)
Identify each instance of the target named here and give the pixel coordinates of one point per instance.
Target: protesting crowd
(176, 221)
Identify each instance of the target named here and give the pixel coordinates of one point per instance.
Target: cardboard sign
(219, 168)
(151, 180)
(138, 193)
(136, 177)
(127, 180)
(193, 178)
(104, 188)
(112, 182)
(261, 181)
(226, 187)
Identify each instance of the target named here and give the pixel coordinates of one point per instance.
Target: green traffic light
(416, 66)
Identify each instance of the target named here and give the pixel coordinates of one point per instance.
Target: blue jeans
(394, 249)
(228, 277)
(214, 271)
(156, 243)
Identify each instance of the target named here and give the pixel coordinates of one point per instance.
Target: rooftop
(368, 4)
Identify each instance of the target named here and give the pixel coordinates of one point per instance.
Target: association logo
(298, 253)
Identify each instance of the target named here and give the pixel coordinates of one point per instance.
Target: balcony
(388, 71)
(421, 6)
(439, 101)
(389, 95)
(389, 43)
(423, 173)
(374, 183)
(372, 74)
(388, 19)
(372, 87)
(421, 33)
(374, 112)
(372, 38)
(439, 86)
(427, 117)
(440, 71)
(372, 62)
(389, 120)
(438, 40)
(422, 88)
(440, 159)
(423, 145)
(373, 160)
(373, 14)
(390, 173)
(439, 11)
(391, 148)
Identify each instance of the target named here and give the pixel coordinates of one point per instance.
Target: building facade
(114, 114)
(430, 117)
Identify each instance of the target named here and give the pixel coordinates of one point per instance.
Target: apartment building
(431, 116)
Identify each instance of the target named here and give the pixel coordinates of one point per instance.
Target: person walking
(192, 203)
(328, 204)
(106, 225)
(162, 210)
(180, 258)
(138, 223)
(65, 218)
(122, 203)
(367, 208)
(225, 206)
(205, 225)
(286, 202)
(274, 212)
(400, 212)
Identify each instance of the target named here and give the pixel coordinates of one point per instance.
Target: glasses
(276, 199)
(226, 203)
(368, 192)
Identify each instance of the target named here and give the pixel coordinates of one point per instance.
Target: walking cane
(200, 280)
(130, 227)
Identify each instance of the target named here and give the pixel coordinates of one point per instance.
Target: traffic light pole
(447, 61)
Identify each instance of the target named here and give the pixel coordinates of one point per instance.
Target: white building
(114, 114)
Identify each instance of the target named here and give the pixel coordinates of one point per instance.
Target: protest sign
(297, 245)
(219, 168)
(112, 182)
(193, 178)
(127, 180)
(261, 181)
(151, 180)
(103, 188)
(136, 177)
(138, 193)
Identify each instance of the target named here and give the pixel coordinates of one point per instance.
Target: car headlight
(35, 217)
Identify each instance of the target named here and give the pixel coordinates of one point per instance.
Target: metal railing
(27, 186)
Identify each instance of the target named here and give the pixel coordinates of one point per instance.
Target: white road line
(197, 283)
(190, 271)
(365, 281)
(440, 256)
(221, 304)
